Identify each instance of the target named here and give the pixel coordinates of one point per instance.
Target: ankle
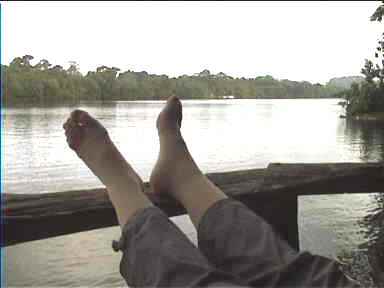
(184, 185)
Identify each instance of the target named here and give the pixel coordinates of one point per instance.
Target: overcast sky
(311, 41)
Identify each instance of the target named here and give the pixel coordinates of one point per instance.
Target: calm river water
(222, 135)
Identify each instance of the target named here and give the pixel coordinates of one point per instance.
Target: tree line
(368, 96)
(46, 83)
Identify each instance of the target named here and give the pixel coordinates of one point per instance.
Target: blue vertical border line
(2, 253)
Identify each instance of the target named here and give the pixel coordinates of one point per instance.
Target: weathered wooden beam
(33, 217)
(324, 178)
(271, 192)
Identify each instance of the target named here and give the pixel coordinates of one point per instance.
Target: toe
(66, 124)
(75, 114)
(174, 102)
(80, 127)
(172, 99)
(81, 117)
(69, 124)
(175, 107)
(171, 115)
(74, 137)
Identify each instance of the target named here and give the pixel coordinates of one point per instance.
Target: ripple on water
(238, 134)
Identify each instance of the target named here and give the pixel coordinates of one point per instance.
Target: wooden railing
(270, 192)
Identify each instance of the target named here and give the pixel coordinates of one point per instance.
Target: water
(222, 136)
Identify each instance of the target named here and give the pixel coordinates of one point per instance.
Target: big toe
(171, 115)
(82, 118)
(81, 127)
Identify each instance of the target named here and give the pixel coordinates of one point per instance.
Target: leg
(176, 172)
(238, 241)
(90, 140)
(231, 236)
(155, 252)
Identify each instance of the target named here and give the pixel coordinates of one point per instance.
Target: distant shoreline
(374, 116)
(12, 104)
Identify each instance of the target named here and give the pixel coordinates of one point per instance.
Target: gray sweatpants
(236, 248)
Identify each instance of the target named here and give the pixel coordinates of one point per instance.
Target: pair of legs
(237, 248)
(175, 172)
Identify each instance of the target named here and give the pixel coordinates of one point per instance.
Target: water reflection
(370, 135)
(374, 223)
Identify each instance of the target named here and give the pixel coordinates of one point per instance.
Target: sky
(312, 41)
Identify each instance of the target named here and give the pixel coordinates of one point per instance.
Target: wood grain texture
(271, 192)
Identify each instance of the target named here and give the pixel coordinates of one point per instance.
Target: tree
(73, 68)
(45, 82)
(57, 69)
(378, 14)
(26, 60)
(106, 78)
(43, 64)
(369, 96)
(21, 63)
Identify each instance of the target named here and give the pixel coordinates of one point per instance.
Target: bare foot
(175, 172)
(87, 137)
(91, 142)
(175, 165)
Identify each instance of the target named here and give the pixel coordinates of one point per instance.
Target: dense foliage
(368, 96)
(44, 83)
